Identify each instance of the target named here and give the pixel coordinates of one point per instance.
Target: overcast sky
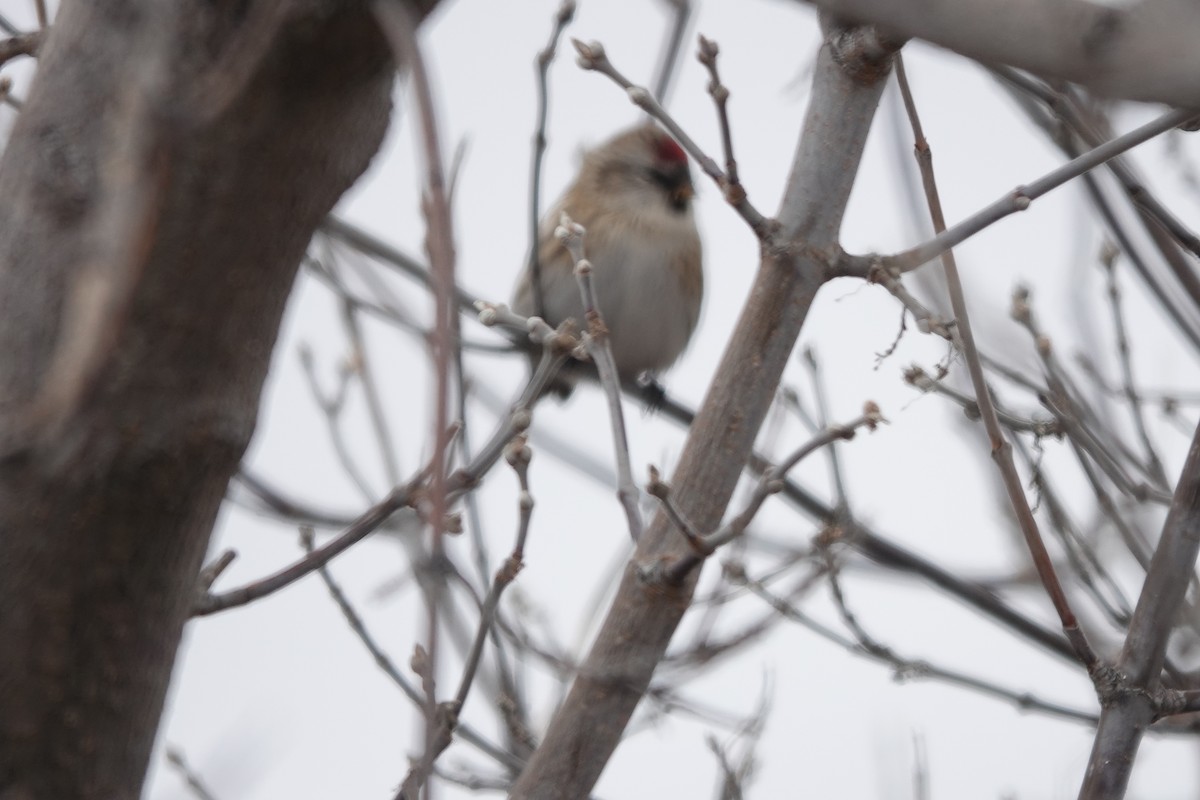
(280, 700)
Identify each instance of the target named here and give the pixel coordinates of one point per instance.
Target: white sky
(280, 700)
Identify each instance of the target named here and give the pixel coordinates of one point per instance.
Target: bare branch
(362, 367)
(645, 613)
(819, 394)
(389, 668)
(662, 492)
(517, 455)
(1077, 420)
(599, 348)
(331, 406)
(908, 669)
(1130, 700)
(771, 481)
(562, 18)
(731, 185)
(25, 44)
(593, 57)
(399, 26)
(1001, 448)
(463, 479)
(1018, 199)
(1108, 260)
(669, 59)
(212, 571)
(1139, 52)
(915, 376)
(365, 525)
(194, 783)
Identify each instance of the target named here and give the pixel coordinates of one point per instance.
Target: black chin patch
(676, 185)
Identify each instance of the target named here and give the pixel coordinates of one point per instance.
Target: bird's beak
(683, 192)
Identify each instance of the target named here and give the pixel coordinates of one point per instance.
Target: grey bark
(646, 610)
(1131, 703)
(1139, 51)
(158, 190)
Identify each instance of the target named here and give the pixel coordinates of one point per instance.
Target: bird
(633, 195)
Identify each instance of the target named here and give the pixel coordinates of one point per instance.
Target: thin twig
(211, 571)
(910, 669)
(366, 524)
(399, 27)
(463, 479)
(1135, 540)
(194, 783)
(389, 668)
(917, 377)
(662, 492)
(562, 17)
(927, 321)
(1016, 200)
(473, 782)
(1108, 260)
(892, 556)
(920, 768)
(376, 248)
(509, 698)
(592, 57)
(571, 234)
(358, 627)
(1068, 109)
(668, 65)
(1001, 448)
(1081, 555)
(879, 549)
(360, 365)
(1172, 397)
(1079, 422)
(517, 454)
(819, 393)
(331, 406)
(770, 483)
(731, 185)
(273, 501)
(384, 304)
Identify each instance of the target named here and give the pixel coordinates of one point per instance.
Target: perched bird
(633, 195)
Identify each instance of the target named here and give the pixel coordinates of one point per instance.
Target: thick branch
(1131, 707)
(646, 610)
(1141, 52)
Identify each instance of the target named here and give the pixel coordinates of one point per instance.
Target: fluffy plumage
(633, 195)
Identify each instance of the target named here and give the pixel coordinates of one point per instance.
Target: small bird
(633, 195)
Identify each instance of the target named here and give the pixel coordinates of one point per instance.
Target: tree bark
(647, 609)
(1129, 707)
(1136, 51)
(159, 189)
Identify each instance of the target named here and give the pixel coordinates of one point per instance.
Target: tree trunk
(159, 189)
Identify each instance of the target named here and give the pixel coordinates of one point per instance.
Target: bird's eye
(667, 179)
